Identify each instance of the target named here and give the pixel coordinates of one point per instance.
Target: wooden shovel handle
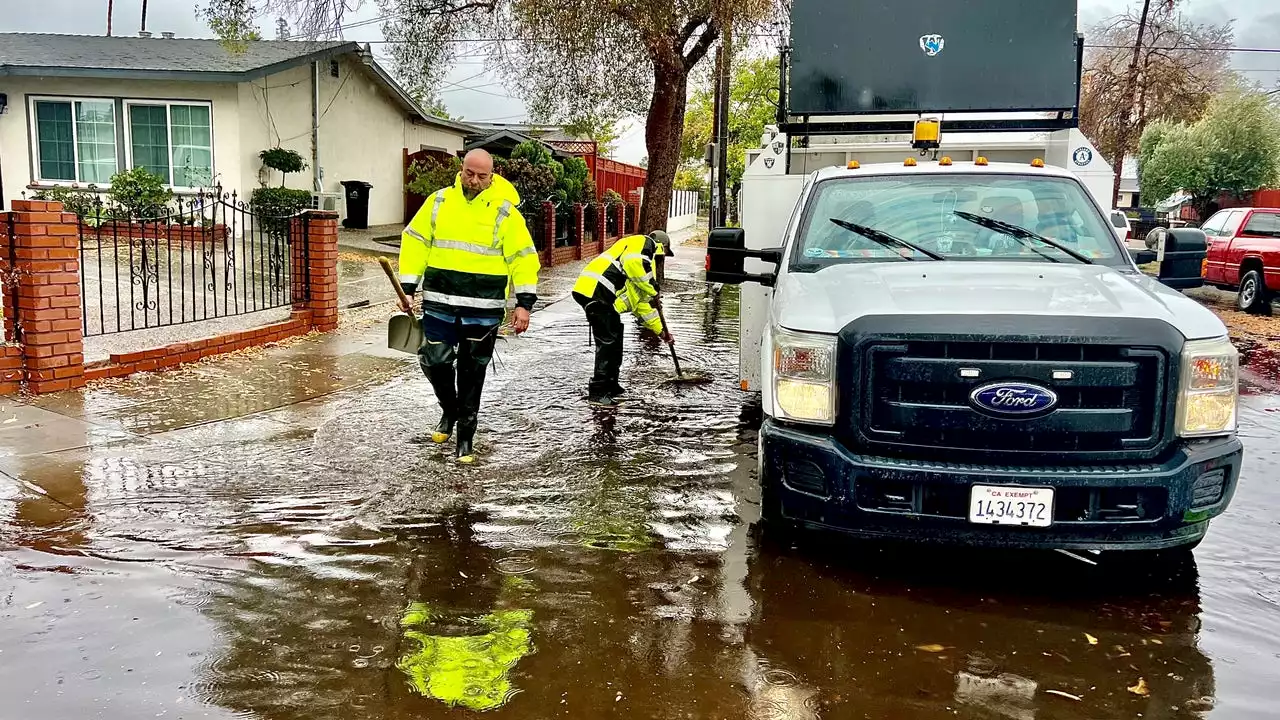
(395, 282)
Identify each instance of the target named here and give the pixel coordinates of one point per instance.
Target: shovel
(404, 331)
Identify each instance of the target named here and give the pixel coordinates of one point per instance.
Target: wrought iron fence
(610, 220)
(534, 215)
(629, 217)
(214, 256)
(590, 213)
(566, 218)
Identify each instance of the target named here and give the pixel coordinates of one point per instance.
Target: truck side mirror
(1181, 256)
(726, 258)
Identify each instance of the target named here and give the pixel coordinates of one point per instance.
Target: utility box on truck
(950, 341)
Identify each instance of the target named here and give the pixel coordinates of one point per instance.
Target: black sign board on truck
(883, 56)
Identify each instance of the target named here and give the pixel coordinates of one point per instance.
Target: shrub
(74, 200)
(140, 194)
(279, 201)
(535, 183)
(273, 206)
(432, 174)
(612, 198)
(574, 180)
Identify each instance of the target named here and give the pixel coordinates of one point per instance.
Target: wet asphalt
(318, 557)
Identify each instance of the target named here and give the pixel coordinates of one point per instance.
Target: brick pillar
(549, 234)
(46, 252)
(601, 226)
(321, 298)
(580, 229)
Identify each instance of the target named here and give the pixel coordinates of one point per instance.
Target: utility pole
(144, 16)
(111, 6)
(1131, 96)
(722, 120)
(713, 154)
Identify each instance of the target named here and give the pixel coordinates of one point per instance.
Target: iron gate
(212, 256)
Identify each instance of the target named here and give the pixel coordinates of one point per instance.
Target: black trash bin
(357, 192)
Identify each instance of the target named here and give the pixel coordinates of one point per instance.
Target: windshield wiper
(884, 238)
(1020, 233)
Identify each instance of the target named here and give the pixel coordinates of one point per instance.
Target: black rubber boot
(442, 380)
(473, 361)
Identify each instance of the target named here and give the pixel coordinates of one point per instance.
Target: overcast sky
(483, 98)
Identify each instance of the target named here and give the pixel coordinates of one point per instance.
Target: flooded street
(285, 542)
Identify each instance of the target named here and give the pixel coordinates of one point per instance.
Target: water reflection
(595, 565)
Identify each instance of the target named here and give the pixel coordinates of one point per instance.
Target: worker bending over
(619, 280)
(467, 246)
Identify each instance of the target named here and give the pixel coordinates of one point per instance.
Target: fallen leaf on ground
(1092, 640)
(1140, 688)
(1066, 695)
(933, 648)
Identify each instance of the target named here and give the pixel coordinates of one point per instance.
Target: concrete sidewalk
(303, 372)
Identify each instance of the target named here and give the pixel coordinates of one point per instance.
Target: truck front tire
(1253, 296)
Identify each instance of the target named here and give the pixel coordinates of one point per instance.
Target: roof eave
(120, 73)
(407, 101)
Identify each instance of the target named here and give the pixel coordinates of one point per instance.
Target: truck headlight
(1209, 391)
(804, 376)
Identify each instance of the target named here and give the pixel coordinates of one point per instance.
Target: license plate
(1011, 505)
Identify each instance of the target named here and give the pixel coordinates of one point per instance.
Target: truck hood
(827, 300)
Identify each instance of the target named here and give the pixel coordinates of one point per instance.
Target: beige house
(77, 109)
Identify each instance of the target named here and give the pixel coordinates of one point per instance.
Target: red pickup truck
(1244, 255)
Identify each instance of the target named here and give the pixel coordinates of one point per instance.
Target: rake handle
(395, 282)
(670, 345)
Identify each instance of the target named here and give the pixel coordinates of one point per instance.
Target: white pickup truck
(966, 352)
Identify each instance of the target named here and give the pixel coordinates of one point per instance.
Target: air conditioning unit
(327, 201)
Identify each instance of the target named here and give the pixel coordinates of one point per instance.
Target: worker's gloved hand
(521, 321)
(667, 338)
(657, 302)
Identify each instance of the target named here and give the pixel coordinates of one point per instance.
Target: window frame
(33, 130)
(167, 104)
(124, 137)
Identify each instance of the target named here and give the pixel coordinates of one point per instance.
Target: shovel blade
(404, 333)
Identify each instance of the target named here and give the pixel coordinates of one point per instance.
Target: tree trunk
(662, 139)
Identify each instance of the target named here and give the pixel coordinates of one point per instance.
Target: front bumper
(810, 478)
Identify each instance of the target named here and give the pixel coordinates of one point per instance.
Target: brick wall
(43, 351)
(168, 356)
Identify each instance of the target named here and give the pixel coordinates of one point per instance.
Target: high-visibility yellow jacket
(468, 253)
(623, 277)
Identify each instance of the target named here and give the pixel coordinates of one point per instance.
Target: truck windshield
(981, 217)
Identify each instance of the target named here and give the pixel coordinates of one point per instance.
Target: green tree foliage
(619, 58)
(753, 103)
(286, 161)
(1234, 149)
(233, 21)
(575, 181)
(535, 183)
(597, 127)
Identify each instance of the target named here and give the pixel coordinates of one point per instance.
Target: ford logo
(1013, 398)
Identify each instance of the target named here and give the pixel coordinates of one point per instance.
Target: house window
(75, 140)
(172, 140)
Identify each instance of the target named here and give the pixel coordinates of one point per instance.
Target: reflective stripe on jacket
(467, 254)
(623, 276)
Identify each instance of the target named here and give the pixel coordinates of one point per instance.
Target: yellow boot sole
(437, 437)
(466, 459)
